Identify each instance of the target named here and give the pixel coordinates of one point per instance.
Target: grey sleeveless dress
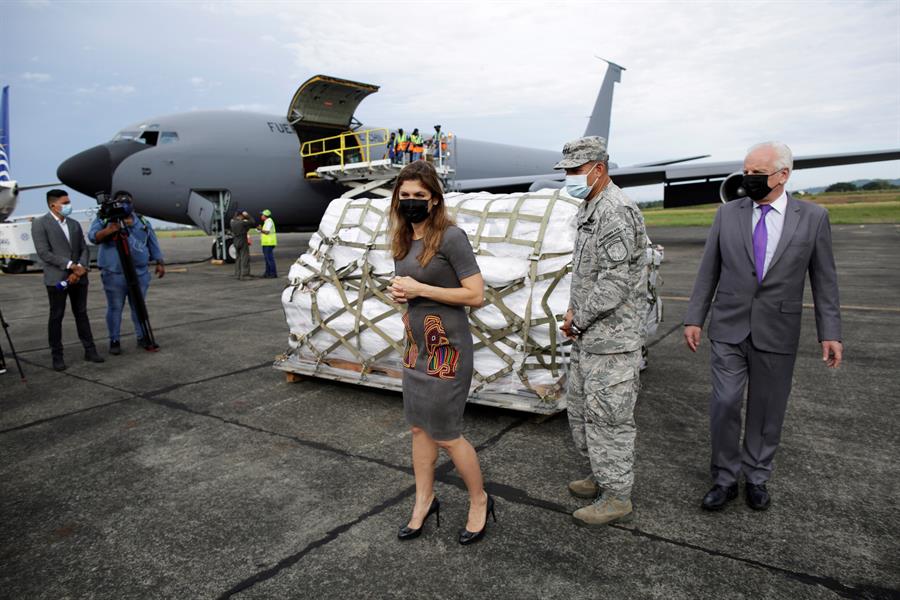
(437, 363)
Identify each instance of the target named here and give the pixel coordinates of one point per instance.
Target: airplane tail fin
(600, 117)
(4, 135)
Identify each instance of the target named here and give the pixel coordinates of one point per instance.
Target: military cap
(583, 150)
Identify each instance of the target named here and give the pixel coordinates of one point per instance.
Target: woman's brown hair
(435, 225)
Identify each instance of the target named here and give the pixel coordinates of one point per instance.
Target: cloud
(36, 77)
(201, 84)
(710, 79)
(123, 89)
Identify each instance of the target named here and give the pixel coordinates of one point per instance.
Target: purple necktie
(760, 239)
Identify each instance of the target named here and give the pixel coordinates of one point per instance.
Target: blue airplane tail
(4, 135)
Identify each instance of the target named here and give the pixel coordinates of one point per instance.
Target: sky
(702, 77)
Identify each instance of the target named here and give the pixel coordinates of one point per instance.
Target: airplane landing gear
(230, 252)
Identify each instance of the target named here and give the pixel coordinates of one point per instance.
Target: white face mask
(577, 185)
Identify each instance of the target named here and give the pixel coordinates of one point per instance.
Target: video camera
(115, 207)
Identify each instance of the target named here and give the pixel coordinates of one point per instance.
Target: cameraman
(144, 248)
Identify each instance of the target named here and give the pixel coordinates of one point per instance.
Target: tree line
(871, 186)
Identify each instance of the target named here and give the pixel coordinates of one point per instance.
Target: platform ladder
(360, 161)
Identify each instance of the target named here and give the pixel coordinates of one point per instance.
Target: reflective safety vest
(416, 143)
(268, 239)
(403, 142)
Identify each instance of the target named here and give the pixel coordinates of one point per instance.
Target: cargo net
(339, 314)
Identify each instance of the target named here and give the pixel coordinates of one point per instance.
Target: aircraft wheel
(230, 252)
(16, 267)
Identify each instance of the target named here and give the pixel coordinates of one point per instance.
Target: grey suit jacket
(769, 312)
(54, 249)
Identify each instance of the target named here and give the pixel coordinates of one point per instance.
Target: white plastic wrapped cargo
(343, 326)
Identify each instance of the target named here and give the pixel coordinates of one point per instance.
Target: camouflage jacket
(609, 274)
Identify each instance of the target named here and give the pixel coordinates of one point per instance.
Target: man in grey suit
(755, 262)
(60, 244)
(240, 225)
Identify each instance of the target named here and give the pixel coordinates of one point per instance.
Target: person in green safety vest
(402, 146)
(268, 240)
(416, 144)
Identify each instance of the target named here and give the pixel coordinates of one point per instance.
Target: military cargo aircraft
(171, 164)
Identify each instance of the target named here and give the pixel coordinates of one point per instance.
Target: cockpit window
(168, 137)
(149, 137)
(126, 135)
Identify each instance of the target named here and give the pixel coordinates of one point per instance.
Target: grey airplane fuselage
(256, 157)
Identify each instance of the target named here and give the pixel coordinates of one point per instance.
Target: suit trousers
(766, 376)
(77, 294)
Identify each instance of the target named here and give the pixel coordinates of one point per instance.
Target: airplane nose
(91, 172)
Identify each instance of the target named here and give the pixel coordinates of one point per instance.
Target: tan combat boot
(584, 488)
(608, 509)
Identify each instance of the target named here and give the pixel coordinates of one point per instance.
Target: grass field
(854, 208)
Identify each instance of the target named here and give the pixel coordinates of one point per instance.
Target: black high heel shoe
(408, 533)
(467, 537)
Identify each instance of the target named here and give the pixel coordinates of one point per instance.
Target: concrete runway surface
(199, 472)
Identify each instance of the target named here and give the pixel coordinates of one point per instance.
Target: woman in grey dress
(436, 276)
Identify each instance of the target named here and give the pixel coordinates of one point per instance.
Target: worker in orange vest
(402, 145)
(417, 144)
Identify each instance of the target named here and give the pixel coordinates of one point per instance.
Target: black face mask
(757, 186)
(414, 211)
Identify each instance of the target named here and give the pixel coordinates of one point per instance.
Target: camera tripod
(12, 349)
(134, 284)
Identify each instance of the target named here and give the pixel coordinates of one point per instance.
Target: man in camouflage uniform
(605, 319)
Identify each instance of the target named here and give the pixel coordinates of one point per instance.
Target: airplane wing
(671, 161)
(23, 188)
(686, 185)
(519, 183)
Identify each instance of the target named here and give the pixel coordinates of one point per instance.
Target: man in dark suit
(755, 262)
(60, 244)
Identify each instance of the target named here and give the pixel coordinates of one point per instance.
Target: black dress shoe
(467, 537)
(757, 496)
(115, 347)
(408, 533)
(718, 496)
(59, 364)
(92, 356)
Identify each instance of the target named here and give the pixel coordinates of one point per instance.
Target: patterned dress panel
(412, 350)
(442, 357)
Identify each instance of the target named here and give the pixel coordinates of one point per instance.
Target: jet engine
(732, 187)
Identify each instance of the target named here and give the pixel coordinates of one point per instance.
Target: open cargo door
(326, 103)
(323, 107)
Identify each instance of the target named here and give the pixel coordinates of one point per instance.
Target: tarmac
(200, 472)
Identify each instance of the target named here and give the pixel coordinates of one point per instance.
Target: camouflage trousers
(601, 395)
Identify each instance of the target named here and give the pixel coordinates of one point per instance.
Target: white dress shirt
(774, 225)
(65, 229)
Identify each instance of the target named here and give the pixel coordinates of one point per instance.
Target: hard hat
(267, 213)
